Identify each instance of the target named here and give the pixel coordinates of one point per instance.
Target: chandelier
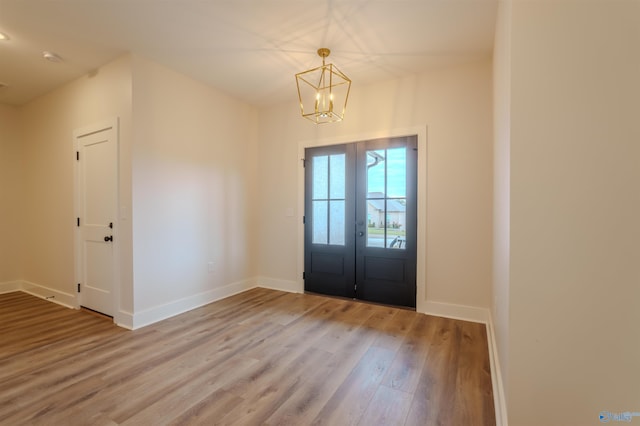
(323, 92)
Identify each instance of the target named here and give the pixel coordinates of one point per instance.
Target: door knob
(361, 234)
(108, 238)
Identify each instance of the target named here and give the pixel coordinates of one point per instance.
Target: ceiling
(250, 49)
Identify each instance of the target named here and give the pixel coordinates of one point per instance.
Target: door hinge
(355, 287)
(78, 221)
(78, 287)
(304, 162)
(77, 155)
(304, 220)
(303, 275)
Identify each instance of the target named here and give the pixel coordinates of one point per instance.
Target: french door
(360, 220)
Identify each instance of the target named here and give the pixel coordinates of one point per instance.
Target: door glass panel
(336, 222)
(337, 176)
(375, 172)
(375, 222)
(376, 208)
(320, 177)
(396, 223)
(396, 172)
(386, 198)
(328, 199)
(320, 216)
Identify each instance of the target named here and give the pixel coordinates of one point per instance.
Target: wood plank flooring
(262, 357)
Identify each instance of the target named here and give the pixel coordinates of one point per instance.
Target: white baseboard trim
(168, 310)
(123, 319)
(10, 286)
(459, 312)
(499, 400)
(68, 300)
(277, 284)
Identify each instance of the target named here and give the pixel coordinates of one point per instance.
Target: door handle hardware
(361, 234)
(108, 238)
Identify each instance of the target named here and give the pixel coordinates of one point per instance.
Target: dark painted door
(329, 220)
(360, 220)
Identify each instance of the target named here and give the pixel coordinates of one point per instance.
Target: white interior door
(96, 195)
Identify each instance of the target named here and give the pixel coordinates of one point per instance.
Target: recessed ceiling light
(3, 36)
(52, 57)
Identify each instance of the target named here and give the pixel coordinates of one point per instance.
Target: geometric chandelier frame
(323, 92)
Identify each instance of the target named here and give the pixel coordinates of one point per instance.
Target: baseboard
(123, 319)
(499, 400)
(277, 284)
(159, 313)
(459, 312)
(10, 286)
(68, 300)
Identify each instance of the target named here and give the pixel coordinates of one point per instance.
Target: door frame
(421, 249)
(112, 123)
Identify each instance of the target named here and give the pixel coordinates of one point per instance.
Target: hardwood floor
(262, 357)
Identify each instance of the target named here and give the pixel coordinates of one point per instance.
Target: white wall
(11, 177)
(47, 209)
(574, 289)
(455, 105)
(194, 192)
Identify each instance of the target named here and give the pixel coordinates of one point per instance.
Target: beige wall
(455, 105)
(48, 158)
(194, 188)
(573, 345)
(11, 208)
